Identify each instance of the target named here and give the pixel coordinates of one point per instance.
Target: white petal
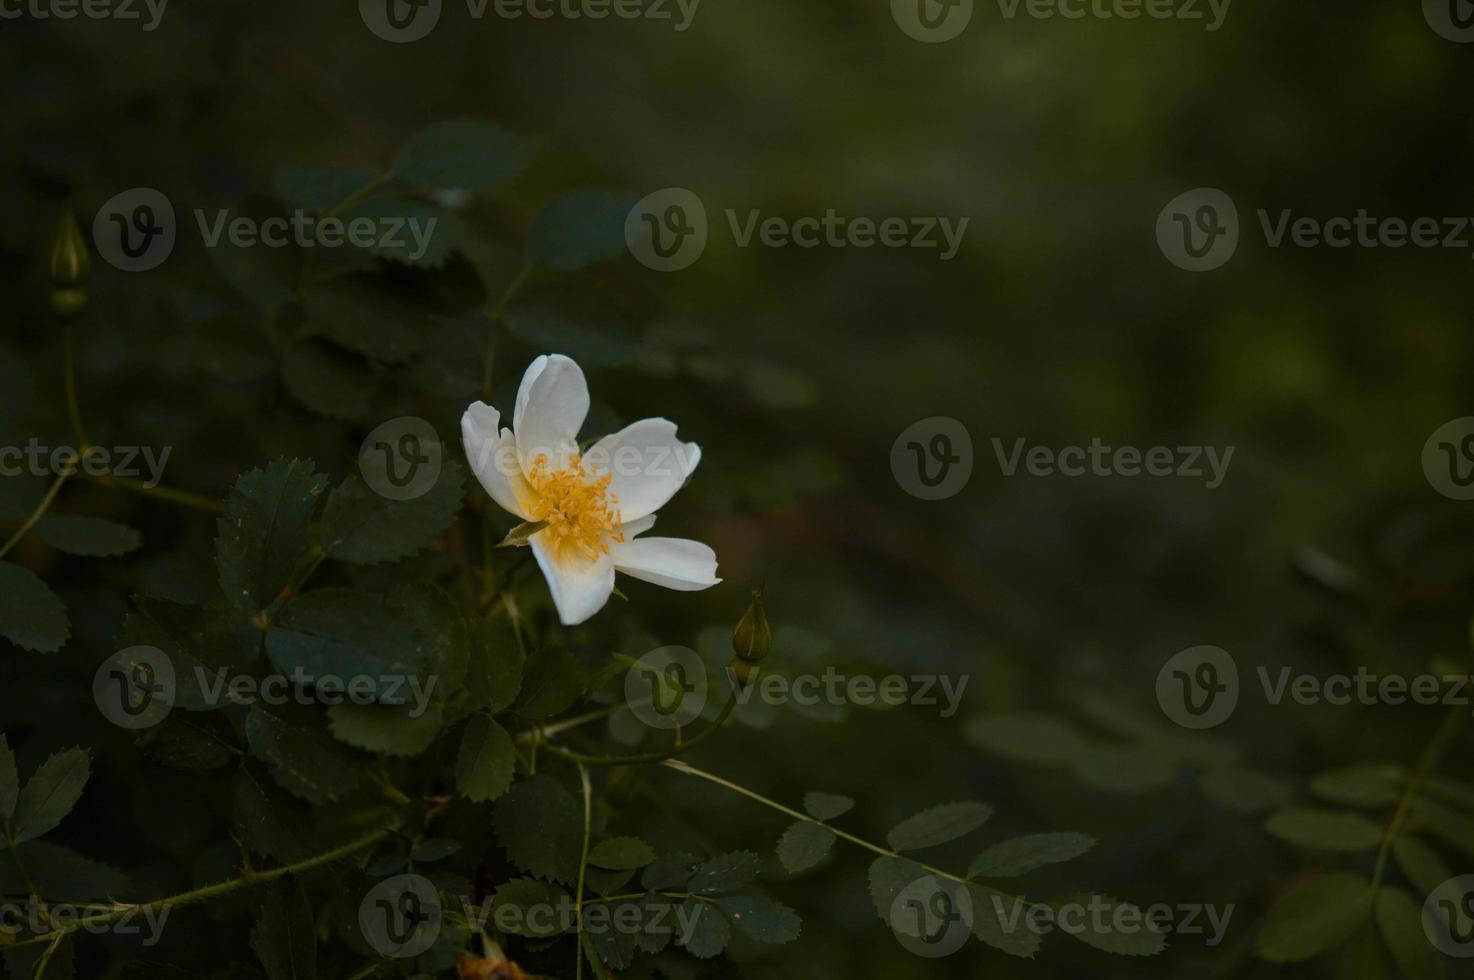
(580, 585)
(640, 526)
(675, 563)
(552, 403)
(493, 458)
(649, 464)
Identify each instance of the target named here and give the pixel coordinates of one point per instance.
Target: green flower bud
(69, 260)
(752, 640)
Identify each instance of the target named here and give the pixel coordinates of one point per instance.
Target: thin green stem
(182, 497)
(649, 757)
(583, 860)
(1427, 760)
(35, 515)
(74, 410)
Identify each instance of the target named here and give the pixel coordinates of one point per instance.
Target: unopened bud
(752, 640)
(69, 261)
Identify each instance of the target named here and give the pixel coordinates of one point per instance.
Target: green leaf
(1400, 920)
(31, 616)
(459, 154)
(889, 876)
(1118, 927)
(260, 273)
(1452, 826)
(621, 854)
(585, 324)
(1011, 858)
(1364, 958)
(264, 818)
(397, 730)
(319, 188)
(1420, 863)
(410, 231)
(540, 825)
(9, 781)
(1124, 770)
(761, 920)
(486, 760)
(1242, 790)
(1320, 915)
(285, 938)
(702, 931)
(1001, 921)
(554, 679)
(938, 825)
(339, 636)
(190, 742)
(300, 754)
(50, 794)
(1369, 786)
(262, 537)
(725, 873)
(90, 537)
(363, 528)
(61, 874)
(804, 845)
(1327, 830)
(526, 895)
(827, 806)
(494, 675)
(331, 383)
(579, 228)
(521, 535)
(363, 314)
(1037, 739)
(669, 872)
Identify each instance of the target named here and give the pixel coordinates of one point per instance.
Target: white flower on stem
(595, 503)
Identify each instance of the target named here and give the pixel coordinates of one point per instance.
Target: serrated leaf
(319, 188)
(1036, 739)
(621, 854)
(1400, 920)
(1420, 863)
(189, 742)
(579, 228)
(1002, 921)
(1114, 926)
(264, 818)
(61, 874)
(1020, 855)
(551, 682)
(284, 937)
(827, 806)
(88, 537)
(804, 845)
(586, 324)
(459, 154)
(938, 825)
(761, 920)
(406, 230)
(1319, 915)
(702, 929)
(486, 760)
(31, 616)
(330, 382)
(494, 674)
(540, 825)
(363, 528)
(1327, 830)
(49, 795)
(363, 314)
(669, 872)
(340, 636)
(725, 873)
(1242, 790)
(1361, 786)
(522, 904)
(888, 877)
(300, 754)
(9, 781)
(262, 536)
(397, 730)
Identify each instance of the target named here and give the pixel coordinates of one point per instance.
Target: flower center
(581, 512)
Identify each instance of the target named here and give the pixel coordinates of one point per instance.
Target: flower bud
(69, 261)
(752, 640)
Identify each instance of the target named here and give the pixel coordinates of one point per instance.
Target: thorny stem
(583, 861)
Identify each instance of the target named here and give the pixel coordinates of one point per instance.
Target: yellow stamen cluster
(581, 512)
